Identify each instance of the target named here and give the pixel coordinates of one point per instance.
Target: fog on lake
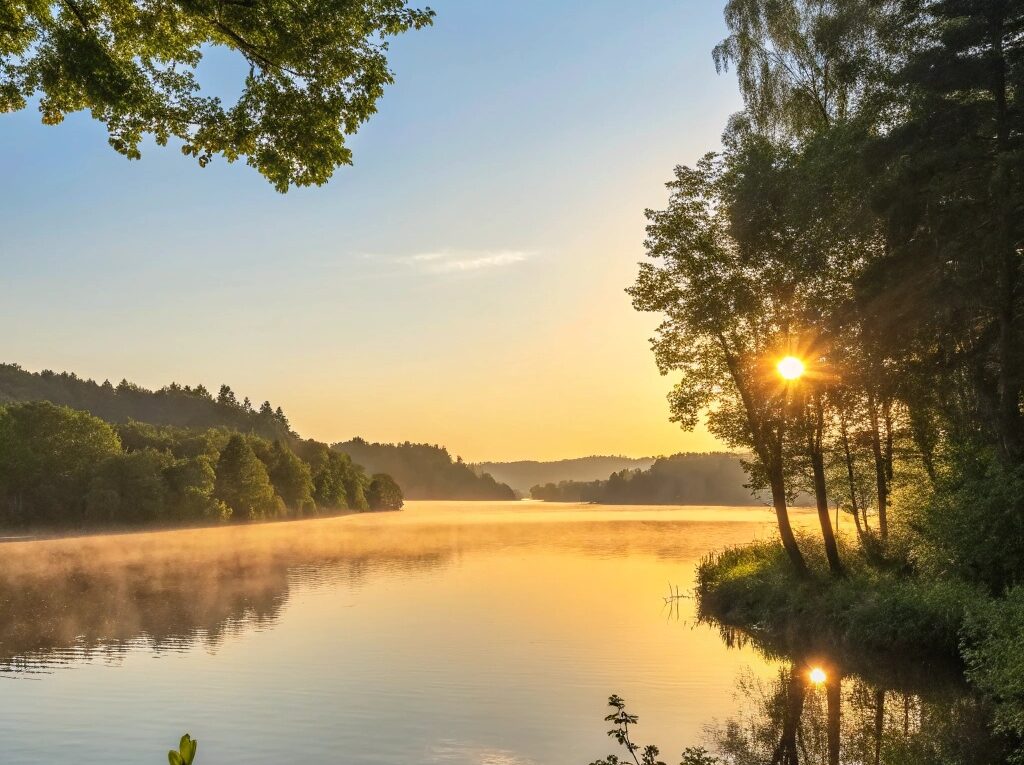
(484, 633)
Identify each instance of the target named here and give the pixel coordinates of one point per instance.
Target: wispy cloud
(450, 262)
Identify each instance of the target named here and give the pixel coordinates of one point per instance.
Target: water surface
(483, 633)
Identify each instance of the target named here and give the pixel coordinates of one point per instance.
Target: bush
(754, 588)
(995, 662)
(384, 493)
(972, 525)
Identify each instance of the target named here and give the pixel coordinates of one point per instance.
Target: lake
(464, 633)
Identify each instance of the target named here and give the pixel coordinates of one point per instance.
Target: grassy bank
(869, 610)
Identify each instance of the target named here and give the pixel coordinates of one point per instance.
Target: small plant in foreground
(186, 752)
(649, 755)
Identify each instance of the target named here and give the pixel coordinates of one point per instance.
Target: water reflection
(455, 634)
(70, 600)
(814, 711)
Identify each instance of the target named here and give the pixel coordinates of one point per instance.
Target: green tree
(315, 71)
(804, 65)
(242, 483)
(292, 480)
(48, 455)
(726, 315)
(952, 189)
(191, 482)
(384, 493)
(130, 488)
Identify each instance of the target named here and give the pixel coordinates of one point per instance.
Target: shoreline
(888, 623)
(50, 535)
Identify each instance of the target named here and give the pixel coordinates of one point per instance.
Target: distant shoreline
(45, 535)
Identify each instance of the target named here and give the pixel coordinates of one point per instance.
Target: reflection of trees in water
(69, 600)
(789, 720)
(872, 709)
(96, 598)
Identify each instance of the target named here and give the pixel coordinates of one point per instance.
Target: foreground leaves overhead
(315, 72)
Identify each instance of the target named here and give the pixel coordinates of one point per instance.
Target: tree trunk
(924, 439)
(778, 486)
(820, 489)
(821, 500)
(882, 485)
(850, 476)
(887, 420)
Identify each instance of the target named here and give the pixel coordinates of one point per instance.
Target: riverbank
(871, 614)
(10, 536)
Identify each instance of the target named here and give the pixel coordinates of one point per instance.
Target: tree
(292, 480)
(315, 70)
(952, 189)
(726, 317)
(48, 454)
(130, 488)
(384, 493)
(226, 397)
(191, 482)
(243, 484)
(804, 65)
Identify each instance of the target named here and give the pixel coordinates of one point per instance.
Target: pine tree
(243, 484)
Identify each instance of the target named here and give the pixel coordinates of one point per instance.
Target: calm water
(457, 633)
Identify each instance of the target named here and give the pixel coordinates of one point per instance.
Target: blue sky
(461, 284)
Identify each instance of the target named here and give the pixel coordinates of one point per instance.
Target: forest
(682, 479)
(423, 471)
(62, 468)
(183, 406)
(841, 295)
(426, 471)
(523, 474)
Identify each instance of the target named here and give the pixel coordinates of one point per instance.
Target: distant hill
(425, 471)
(181, 406)
(716, 478)
(524, 474)
(422, 471)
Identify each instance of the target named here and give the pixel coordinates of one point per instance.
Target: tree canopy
(314, 71)
(864, 216)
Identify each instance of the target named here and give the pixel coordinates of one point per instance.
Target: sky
(461, 284)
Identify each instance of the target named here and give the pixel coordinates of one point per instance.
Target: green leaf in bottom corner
(174, 758)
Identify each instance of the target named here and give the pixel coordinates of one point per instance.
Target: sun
(818, 676)
(790, 368)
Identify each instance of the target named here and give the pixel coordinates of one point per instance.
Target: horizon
(462, 283)
(332, 441)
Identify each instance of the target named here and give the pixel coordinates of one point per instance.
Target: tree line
(184, 406)
(523, 474)
(864, 218)
(426, 471)
(422, 470)
(61, 468)
(682, 479)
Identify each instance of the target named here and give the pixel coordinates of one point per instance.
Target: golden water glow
(818, 676)
(790, 368)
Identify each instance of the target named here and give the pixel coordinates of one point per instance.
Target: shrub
(995, 662)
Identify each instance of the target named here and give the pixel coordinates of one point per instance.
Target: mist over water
(447, 633)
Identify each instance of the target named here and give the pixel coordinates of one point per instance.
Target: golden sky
(462, 284)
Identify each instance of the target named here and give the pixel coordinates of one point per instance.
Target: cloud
(447, 262)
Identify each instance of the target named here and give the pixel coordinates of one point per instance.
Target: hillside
(716, 478)
(425, 471)
(181, 406)
(523, 474)
(422, 471)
